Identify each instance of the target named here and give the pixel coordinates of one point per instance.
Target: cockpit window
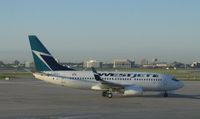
(174, 79)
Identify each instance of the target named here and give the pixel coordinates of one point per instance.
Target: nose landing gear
(165, 94)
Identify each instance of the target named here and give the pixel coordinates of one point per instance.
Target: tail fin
(44, 61)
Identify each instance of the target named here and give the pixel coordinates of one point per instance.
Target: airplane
(125, 83)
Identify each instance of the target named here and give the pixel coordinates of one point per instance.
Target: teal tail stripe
(39, 65)
(44, 61)
(37, 45)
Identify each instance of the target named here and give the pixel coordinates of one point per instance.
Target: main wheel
(109, 95)
(104, 93)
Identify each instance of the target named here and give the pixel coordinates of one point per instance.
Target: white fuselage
(86, 80)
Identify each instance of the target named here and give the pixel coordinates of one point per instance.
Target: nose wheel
(165, 94)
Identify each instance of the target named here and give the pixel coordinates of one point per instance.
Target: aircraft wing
(106, 83)
(125, 89)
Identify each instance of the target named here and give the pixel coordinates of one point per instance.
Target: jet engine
(133, 90)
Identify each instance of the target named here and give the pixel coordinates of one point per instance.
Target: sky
(79, 30)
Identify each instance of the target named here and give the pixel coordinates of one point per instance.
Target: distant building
(177, 65)
(161, 65)
(16, 62)
(107, 65)
(92, 63)
(143, 62)
(123, 63)
(156, 65)
(195, 65)
(148, 66)
(154, 61)
(73, 65)
(1, 64)
(28, 64)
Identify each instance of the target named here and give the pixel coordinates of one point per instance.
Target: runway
(34, 99)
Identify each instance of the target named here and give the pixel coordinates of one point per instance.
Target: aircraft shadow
(184, 96)
(181, 96)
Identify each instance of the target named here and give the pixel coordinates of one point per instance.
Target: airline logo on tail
(44, 61)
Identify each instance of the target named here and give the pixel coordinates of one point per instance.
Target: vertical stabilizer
(43, 59)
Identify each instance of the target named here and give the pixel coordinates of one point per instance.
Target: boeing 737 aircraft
(126, 83)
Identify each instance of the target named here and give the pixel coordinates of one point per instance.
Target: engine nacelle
(133, 90)
(97, 87)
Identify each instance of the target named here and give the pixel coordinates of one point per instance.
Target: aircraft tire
(109, 95)
(104, 93)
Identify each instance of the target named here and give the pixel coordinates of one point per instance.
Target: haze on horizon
(104, 30)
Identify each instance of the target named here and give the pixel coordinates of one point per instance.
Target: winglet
(96, 75)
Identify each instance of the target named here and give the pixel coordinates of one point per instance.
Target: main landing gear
(107, 94)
